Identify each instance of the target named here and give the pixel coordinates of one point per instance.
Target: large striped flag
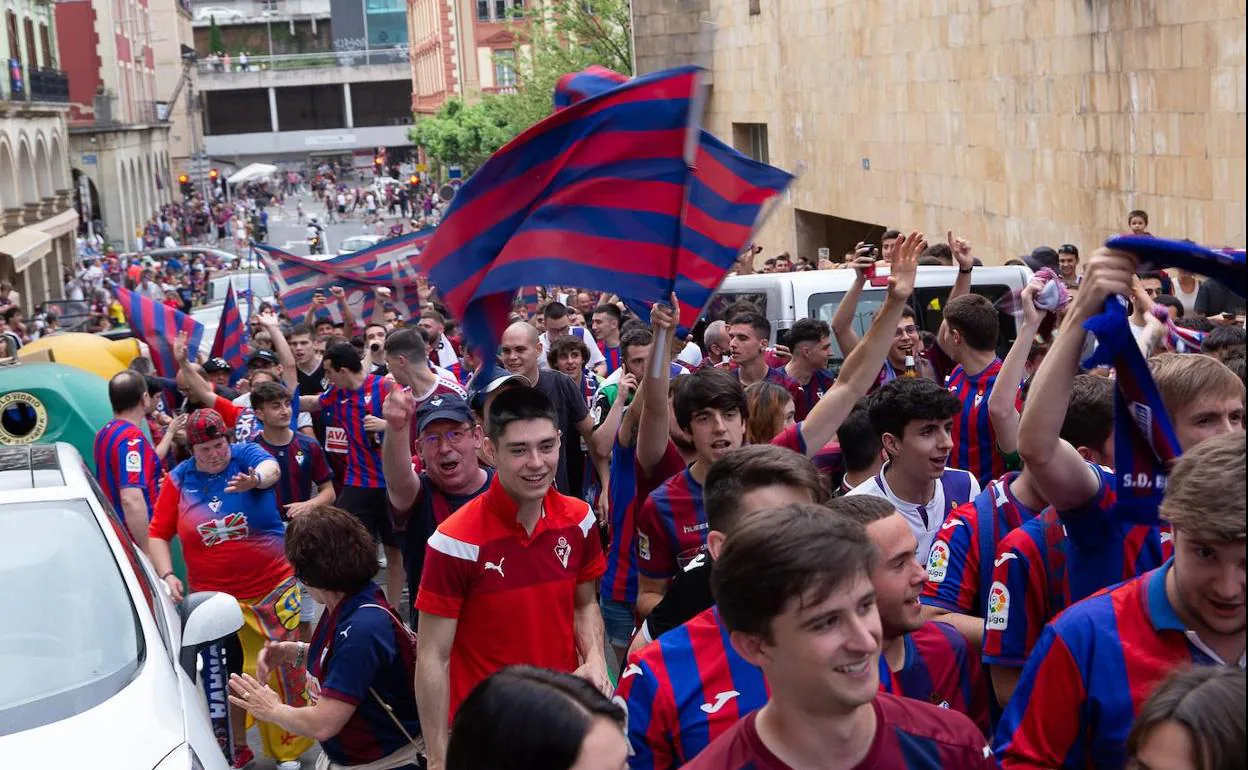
(158, 325)
(231, 340)
(725, 200)
(589, 197)
(296, 280)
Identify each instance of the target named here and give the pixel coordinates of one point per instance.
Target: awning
(59, 224)
(252, 171)
(25, 246)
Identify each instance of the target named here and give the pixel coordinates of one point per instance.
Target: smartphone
(875, 278)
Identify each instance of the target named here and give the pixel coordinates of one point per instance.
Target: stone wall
(1015, 123)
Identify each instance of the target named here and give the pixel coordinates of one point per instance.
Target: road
(287, 233)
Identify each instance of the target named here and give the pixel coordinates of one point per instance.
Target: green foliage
(462, 135)
(215, 44)
(560, 36)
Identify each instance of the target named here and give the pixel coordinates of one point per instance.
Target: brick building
(462, 49)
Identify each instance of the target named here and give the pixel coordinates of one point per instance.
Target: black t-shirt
(1214, 298)
(688, 595)
(570, 406)
(314, 384)
(431, 508)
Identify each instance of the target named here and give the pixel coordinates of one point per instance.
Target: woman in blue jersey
(361, 663)
(220, 503)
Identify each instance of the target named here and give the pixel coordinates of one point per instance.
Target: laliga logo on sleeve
(998, 607)
(938, 562)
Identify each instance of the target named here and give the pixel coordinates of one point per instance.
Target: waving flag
(1226, 266)
(158, 325)
(1178, 339)
(296, 280)
(590, 197)
(231, 336)
(1144, 442)
(726, 195)
(591, 81)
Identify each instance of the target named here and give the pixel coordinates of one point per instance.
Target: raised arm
(1061, 474)
(653, 427)
(1001, 408)
(604, 434)
(961, 249)
(843, 319)
(199, 387)
(402, 481)
(348, 318)
(290, 373)
(862, 366)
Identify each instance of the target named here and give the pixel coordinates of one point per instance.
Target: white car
(356, 242)
(219, 13)
(98, 666)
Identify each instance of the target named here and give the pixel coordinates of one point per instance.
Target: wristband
(167, 574)
(967, 270)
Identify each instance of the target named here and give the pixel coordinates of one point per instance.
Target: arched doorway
(83, 183)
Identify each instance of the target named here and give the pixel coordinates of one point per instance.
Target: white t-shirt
(925, 519)
(595, 355)
(443, 355)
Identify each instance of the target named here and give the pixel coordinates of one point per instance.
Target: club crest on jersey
(562, 551)
(368, 399)
(978, 398)
(436, 402)
(214, 505)
(998, 607)
(938, 562)
(299, 457)
(232, 526)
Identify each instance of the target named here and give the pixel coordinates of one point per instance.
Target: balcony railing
(218, 65)
(109, 111)
(35, 84)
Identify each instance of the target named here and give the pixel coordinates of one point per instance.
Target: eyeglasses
(906, 331)
(434, 439)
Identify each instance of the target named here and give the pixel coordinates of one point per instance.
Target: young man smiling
(914, 420)
(793, 588)
(511, 577)
(748, 336)
(811, 342)
(1117, 645)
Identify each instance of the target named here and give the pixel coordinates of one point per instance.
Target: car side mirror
(207, 617)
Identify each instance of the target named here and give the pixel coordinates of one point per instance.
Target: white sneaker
(290, 764)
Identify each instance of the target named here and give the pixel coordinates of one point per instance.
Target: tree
(560, 36)
(215, 44)
(464, 135)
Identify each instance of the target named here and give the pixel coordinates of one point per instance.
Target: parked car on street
(98, 666)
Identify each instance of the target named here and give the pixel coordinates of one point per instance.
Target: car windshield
(70, 638)
(355, 244)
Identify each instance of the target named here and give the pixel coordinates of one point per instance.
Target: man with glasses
(448, 440)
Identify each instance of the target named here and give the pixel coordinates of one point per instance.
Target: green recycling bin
(42, 403)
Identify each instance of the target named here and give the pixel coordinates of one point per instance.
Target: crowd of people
(619, 548)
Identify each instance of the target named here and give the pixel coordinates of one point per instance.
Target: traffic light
(212, 175)
(379, 162)
(413, 180)
(184, 182)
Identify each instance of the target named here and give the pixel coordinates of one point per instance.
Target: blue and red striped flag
(591, 81)
(1144, 442)
(296, 280)
(726, 195)
(231, 339)
(589, 197)
(158, 325)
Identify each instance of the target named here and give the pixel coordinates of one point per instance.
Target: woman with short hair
(1194, 720)
(361, 661)
(523, 717)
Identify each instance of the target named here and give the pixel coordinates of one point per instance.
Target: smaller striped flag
(158, 325)
(231, 339)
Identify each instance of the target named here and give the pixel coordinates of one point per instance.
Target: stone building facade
(1015, 123)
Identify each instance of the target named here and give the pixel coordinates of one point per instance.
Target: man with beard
(448, 440)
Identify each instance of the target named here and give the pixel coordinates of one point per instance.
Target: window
(15, 50)
(822, 306)
(46, 42)
(504, 68)
(751, 139)
(755, 7)
(268, 5)
(483, 10)
(517, 8)
(500, 10)
(32, 58)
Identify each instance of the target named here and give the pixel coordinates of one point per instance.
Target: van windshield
(822, 306)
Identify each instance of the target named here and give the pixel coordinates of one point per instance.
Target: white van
(787, 297)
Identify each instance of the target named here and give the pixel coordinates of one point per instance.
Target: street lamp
(268, 23)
